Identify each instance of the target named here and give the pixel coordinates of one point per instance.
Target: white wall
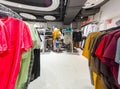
(111, 10)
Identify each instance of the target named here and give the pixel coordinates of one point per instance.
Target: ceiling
(54, 10)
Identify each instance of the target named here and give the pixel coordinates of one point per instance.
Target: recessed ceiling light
(29, 16)
(19, 5)
(49, 17)
(92, 3)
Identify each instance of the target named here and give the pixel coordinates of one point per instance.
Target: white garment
(42, 42)
(117, 58)
(89, 29)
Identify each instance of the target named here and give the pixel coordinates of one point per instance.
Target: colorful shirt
(18, 40)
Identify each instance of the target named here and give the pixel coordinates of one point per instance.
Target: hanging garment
(36, 65)
(26, 57)
(89, 29)
(107, 78)
(23, 74)
(77, 36)
(36, 46)
(110, 53)
(19, 40)
(86, 51)
(117, 58)
(103, 48)
(94, 62)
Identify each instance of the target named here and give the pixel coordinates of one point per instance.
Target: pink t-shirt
(3, 40)
(18, 40)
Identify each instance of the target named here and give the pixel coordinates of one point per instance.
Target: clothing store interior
(60, 44)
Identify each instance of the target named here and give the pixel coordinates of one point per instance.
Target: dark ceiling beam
(72, 10)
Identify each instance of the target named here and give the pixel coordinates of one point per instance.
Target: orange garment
(98, 82)
(86, 51)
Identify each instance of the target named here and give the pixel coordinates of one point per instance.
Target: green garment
(26, 57)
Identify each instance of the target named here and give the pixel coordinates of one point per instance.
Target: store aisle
(62, 71)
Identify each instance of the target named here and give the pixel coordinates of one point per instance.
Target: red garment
(106, 52)
(3, 40)
(110, 53)
(111, 48)
(101, 47)
(18, 39)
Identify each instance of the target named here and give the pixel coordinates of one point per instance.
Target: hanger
(4, 14)
(5, 11)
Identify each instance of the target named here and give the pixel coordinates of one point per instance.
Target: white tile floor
(62, 71)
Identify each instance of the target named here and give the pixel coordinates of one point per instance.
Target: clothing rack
(111, 29)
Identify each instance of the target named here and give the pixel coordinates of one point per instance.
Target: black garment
(77, 36)
(36, 65)
(107, 77)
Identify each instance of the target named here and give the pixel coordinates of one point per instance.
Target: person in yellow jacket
(56, 35)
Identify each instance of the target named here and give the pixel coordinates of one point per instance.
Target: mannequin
(56, 36)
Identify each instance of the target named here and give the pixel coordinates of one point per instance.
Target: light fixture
(49, 17)
(29, 16)
(55, 4)
(92, 3)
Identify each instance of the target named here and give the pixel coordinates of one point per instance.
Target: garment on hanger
(26, 58)
(18, 40)
(89, 29)
(101, 50)
(77, 36)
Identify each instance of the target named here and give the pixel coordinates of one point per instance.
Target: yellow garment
(97, 81)
(56, 33)
(86, 51)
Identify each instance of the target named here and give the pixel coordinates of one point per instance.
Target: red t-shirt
(101, 49)
(18, 40)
